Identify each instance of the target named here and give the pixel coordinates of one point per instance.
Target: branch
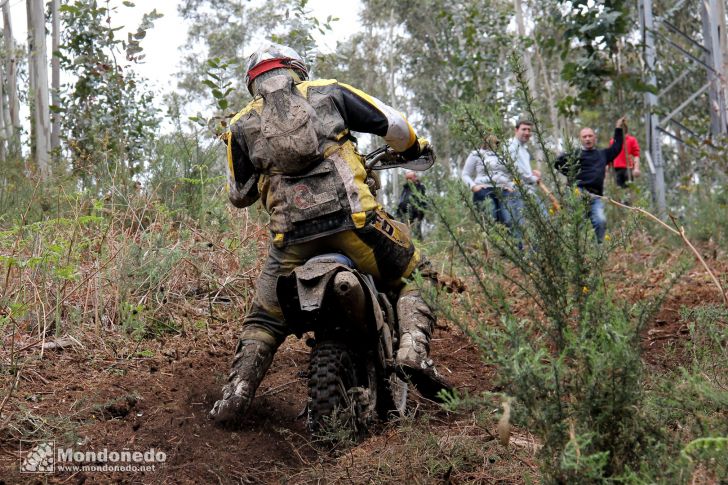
(680, 232)
(13, 386)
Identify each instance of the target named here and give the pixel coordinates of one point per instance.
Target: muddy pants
(381, 248)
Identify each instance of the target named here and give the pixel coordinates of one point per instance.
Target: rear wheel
(332, 404)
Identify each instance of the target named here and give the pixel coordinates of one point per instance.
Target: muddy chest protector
(312, 178)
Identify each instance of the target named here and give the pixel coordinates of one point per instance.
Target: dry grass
(432, 448)
(105, 272)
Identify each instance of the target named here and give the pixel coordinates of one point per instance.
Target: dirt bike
(352, 379)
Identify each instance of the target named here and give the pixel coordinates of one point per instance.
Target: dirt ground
(162, 403)
(104, 394)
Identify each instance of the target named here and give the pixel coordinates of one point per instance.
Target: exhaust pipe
(351, 295)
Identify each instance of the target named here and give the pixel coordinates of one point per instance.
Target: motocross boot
(252, 360)
(416, 323)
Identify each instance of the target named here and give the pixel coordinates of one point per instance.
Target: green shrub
(705, 210)
(692, 400)
(565, 348)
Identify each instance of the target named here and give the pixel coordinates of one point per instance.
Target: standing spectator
(412, 202)
(491, 182)
(627, 164)
(520, 155)
(587, 167)
(522, 158)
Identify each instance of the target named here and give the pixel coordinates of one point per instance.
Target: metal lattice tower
(662, 38)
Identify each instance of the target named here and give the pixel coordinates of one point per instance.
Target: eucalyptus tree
(448, 52)
(216, 29)
(357, 61)
(38, 96)
(55, 77)
(10, 103)
(220, 35)
(108, 119)
(590, 54)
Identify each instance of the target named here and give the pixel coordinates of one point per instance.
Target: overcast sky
(169, 33)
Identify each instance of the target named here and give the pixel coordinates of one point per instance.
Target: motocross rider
(292, 148)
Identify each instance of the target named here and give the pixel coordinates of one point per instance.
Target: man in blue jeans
(491, 181)
(586, 169)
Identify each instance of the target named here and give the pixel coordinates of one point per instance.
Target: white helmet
(273, 56)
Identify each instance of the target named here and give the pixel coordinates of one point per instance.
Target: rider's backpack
(288, 123)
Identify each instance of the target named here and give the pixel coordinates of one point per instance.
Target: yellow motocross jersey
(333, 195)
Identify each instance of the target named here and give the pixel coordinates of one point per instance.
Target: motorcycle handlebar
(385, 157)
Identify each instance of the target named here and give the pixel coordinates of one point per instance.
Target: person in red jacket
(627, 164)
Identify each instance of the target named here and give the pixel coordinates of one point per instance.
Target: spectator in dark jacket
(586, 169)
(412, 203)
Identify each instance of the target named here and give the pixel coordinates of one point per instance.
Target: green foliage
(108, 118)
(219, 81)
(574, 364)
(692, 399)
(146, 265)
(570, 358)
(121, 264)
(300, 24)
(591, 37)
(220, 87)
(187, 173)
(46, 254)
(337, 431)
(440, 52)
(133, 46)
(223, 31)
(217, 30)
(708, 449)
(704, 213)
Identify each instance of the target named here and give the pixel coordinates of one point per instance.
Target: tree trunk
(7, 132)
(391, 63)
(3, 110)
(55, 80)
(31, 78)
(38, 63)
(526, 53)
(12, 127)
(550, 99)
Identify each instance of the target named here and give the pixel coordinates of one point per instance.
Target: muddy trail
(118, 394)
(162, 403)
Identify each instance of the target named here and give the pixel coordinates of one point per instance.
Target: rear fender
(302, 292)
(312, 281)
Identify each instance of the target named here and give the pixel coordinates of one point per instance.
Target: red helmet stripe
(266, 66)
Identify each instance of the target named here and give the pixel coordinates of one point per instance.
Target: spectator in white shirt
(492, 183)
(521, 157)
